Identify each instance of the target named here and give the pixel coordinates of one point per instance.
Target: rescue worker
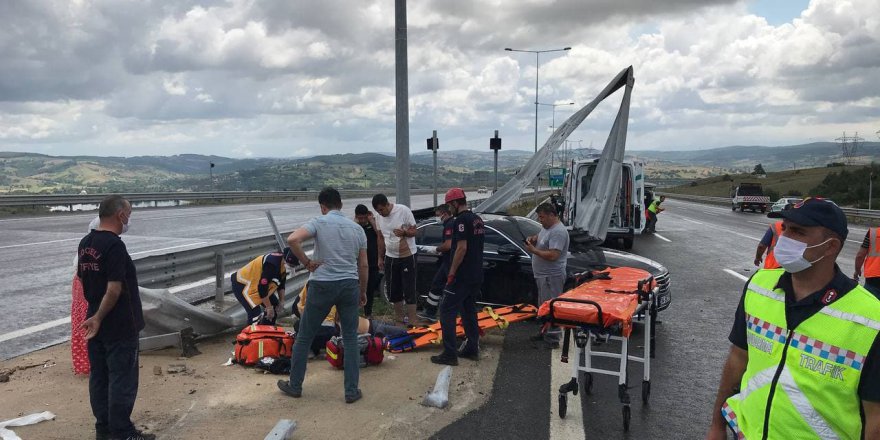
(768, 242)
(259, 285)
(429, 313)
(869, 257)
(654, 209)
(463, 282)
(805, 359)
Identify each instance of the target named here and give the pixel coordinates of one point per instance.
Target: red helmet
(454, 194)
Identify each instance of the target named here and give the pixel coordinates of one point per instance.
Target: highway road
(709, 252)
(37, 255)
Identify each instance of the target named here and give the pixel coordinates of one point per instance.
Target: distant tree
(759, 169)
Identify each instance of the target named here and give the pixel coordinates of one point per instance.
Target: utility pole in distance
(401, 83)
(434, 145)
(495, 145)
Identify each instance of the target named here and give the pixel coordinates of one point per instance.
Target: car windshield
(528, 226)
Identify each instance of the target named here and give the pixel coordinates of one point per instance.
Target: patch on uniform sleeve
(264, 282)
(461, 227)
(829, 296)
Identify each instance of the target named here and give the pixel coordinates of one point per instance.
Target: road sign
(557, 177)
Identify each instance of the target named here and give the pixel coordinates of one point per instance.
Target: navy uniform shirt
(448, 228)
(104, 258)
(797, 312)
(469, 227)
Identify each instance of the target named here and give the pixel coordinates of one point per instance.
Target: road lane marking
(168, 248)
(737, 274)
(662, 237)
(34, 329)
(246, 220)
(572, 426)
(692, 221)
(758, 223)
(855, 241)
(38, 243)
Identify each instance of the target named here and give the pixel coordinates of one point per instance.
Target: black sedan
(508, 267)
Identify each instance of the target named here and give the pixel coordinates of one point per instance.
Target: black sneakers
(284, 386)
(355, 398)
(443, 359)
(471, 355)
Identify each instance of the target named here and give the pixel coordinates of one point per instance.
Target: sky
(293, 78)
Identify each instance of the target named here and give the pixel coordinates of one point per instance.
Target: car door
(505, 280)
(428, 234)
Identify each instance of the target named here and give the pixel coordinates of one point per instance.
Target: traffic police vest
(654, 206)
(805, 378)
(872, 262)
(770, 262)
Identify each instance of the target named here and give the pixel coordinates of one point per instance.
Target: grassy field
(780, 183)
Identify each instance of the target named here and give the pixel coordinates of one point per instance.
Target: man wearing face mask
(115, 319)
(805, 354)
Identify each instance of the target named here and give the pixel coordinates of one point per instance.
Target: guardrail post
(218, 273)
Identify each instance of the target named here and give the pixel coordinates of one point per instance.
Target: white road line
(855, 241)
(758, 223)
(692, 221)
(662, 237)
(168, 248)
(246, 220)
(34, 329)
(572, 426)
(737, 233)
(39, 242)
(737, 274)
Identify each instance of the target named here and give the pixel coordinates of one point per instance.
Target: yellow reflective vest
(802, 382)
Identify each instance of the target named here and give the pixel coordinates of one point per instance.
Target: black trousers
(373, 281)
(113, 384)
(460, 298)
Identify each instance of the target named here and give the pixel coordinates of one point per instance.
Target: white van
(628, 215)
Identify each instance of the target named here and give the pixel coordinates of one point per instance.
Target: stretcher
(488, 318)
(602, 309)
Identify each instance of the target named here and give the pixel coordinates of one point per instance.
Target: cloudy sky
(281, 78)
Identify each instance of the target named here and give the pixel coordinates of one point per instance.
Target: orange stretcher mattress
(618, 292)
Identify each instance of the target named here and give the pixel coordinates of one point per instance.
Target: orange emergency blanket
(618, 292)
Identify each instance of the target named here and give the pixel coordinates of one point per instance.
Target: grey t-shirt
(554, 238)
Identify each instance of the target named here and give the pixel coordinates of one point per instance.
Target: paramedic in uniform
(869, 257)
(259, 285)
(805, 355)
(463, 282)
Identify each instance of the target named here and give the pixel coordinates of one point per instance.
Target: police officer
(654, 209)
(805, 359)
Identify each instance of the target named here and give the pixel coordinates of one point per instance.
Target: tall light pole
(553, 126)
(537, 71)
(401, 86)
(434, 145)
(495, 145)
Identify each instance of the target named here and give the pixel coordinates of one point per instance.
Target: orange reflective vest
(872, 261)
(770, 262)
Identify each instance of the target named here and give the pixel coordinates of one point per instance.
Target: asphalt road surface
(37, 255)
(709, 252)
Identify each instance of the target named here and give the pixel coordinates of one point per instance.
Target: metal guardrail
(872, 214)
(75, 199)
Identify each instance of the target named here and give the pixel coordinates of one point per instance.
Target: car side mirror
(509, 250)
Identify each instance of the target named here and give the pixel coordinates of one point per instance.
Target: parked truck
(749, 196)
(628, 214)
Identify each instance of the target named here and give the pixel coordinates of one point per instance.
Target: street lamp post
(537, 71)
(553, 126)
(495, 145)
(434, 145)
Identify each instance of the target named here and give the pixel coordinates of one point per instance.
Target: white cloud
(282, 78)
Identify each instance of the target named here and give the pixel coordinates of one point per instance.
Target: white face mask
(790, 254)
(126, 225)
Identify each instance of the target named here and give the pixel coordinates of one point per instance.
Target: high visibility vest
(770, 262)
(653, 206)
(872, 261)
(805, 378)
(251, 274)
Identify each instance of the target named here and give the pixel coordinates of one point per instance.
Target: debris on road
(439, 395)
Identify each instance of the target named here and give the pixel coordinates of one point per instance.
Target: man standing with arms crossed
(338, 274)
(462, 283)
(398, 228)
(114, 320)
(549, 250)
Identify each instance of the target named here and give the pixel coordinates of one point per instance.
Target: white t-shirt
(399, 217)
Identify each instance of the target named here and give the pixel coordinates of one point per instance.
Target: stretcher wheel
(646, 391)
(626, 417)
(588, 383)
(563, 405)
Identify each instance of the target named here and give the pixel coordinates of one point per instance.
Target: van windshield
(586, 181)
